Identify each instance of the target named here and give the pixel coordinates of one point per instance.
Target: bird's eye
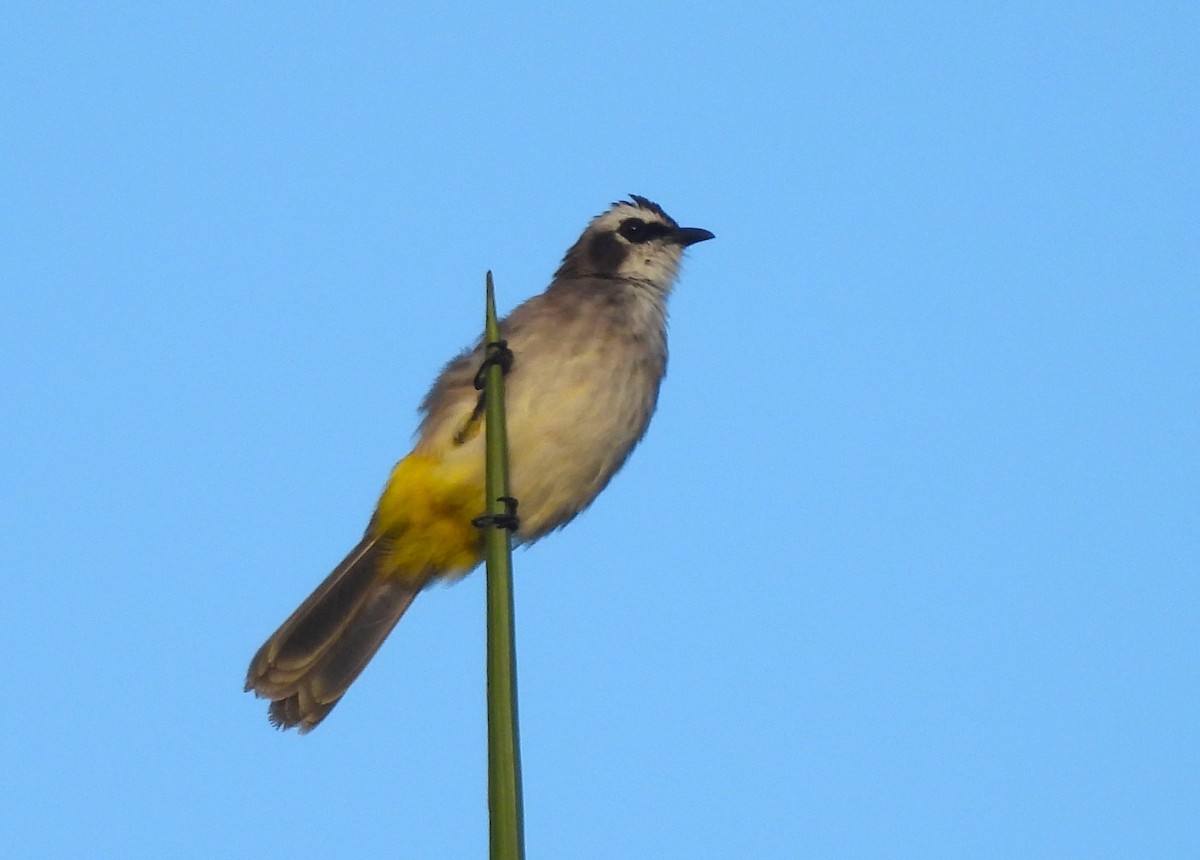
(636, 230)
(632, 229)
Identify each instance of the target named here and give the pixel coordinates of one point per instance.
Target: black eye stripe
(637, 231)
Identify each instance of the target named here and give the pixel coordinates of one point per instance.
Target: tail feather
(317, 622)
(311, 660)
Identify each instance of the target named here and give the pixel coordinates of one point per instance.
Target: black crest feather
(649, 205)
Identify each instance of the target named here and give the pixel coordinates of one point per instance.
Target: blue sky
(906, 566)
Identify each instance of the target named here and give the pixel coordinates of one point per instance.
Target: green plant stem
(506, 825)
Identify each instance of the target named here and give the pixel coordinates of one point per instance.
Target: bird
(588, 356)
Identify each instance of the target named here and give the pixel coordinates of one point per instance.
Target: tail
(313, 658)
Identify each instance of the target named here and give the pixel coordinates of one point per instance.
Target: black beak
(691, 235)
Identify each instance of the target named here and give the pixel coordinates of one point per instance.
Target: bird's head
(633, 240)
